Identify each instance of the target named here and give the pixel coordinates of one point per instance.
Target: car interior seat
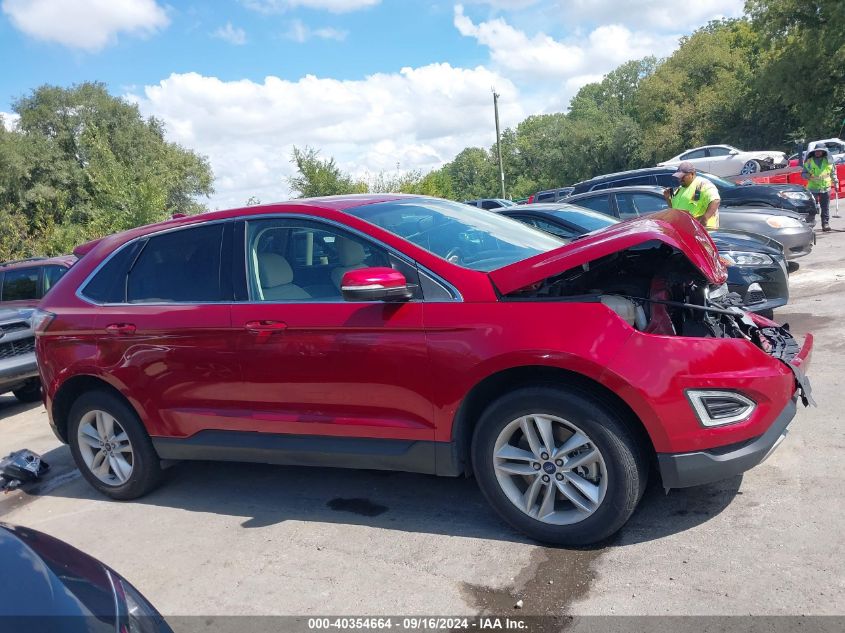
(276, 278)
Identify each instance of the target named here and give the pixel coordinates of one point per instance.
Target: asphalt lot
(230, 539)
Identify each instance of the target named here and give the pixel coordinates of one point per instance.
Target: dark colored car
(757, 269)
(25, 281)
(784, 227)
(793, 198)
(18, 367)
(550, 195)
(411, 333)
(48, 586)
(490, 203)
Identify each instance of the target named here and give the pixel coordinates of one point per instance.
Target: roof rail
(21, 261)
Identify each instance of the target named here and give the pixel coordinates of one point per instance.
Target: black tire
(146, 467)
(30, 392)
(624, 459)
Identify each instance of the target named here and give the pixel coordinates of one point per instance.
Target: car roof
(630, 189)
(629, 172)
(61, 260)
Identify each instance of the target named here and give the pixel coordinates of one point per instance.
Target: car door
(721, 162)
(164, 328)
(316, 365)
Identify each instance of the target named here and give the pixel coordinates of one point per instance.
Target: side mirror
(733, 152)
(374, 284)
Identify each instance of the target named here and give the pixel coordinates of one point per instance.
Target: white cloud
(557, 68)
(334, 6)
(299, 32)
(10, 120)
(419, 118)
(233, 35)
(651, 15)
(85, 24)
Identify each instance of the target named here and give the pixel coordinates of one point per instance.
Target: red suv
(418, 334)
(24, 282)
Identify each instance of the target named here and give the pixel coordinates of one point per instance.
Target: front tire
(30, 392)
(558, 465)
(111, 447)
(751, 167)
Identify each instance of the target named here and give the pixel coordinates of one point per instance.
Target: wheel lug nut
(559, 462)
(546, 478)
(559, 476)
(544, 455)
(536, 466)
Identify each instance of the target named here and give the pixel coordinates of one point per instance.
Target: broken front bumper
(682, 470)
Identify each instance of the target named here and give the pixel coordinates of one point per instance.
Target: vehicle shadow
(9, 406)
(266, 495)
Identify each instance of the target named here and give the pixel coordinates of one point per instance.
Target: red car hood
(675, 228)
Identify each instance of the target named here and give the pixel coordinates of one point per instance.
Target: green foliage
(318, 177)
(82, 164)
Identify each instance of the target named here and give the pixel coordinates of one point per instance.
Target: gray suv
(18, 369)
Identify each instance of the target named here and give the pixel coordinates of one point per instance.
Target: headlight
(783, 222)
(794, 195)
(717, 292)
(718, 408)
(742, 258)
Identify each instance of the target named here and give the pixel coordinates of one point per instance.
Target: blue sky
(374, 83)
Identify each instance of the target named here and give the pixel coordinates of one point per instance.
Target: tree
(473, 174)
(81, 164)
(318, 177)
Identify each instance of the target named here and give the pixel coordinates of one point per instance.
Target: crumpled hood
(673, 227)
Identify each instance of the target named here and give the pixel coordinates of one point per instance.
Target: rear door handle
(265, 327)
(121, 329)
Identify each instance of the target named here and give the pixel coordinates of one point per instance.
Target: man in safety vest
(697, 196)
(820, 173)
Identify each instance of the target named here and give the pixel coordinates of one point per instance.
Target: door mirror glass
(375, 284)
(733, 152)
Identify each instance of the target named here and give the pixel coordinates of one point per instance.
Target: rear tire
(612, 478)
(29, 392)
(124, 465)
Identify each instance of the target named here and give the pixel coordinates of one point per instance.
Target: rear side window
(667, 180)
(646, 203)
(181, 266)
(545, 197)
(21, 284)
(109, 283)
(599, 203)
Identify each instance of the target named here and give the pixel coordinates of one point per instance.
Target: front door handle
(121, 329)
(265, 327)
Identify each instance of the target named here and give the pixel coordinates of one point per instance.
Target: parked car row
(726, 160)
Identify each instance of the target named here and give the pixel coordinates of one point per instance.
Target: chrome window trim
(457, 297)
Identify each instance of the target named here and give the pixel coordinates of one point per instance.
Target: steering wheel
(455, 255)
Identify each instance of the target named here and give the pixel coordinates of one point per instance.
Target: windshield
(585, 218)
(467, 236)
(719, 182)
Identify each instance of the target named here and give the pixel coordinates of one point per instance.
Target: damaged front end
(656, 289)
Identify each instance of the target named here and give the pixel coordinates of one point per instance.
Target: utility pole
(499, 142)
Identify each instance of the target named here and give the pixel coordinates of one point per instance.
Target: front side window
(716, 152)
(696, 153)
(21, 284)
(301, 260)
(625, 204)
(472, 238)
(647, 203)
(182, 266)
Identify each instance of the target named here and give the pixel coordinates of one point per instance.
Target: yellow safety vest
(821, 174)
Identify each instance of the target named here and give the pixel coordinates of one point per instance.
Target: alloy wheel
(105, 447)
(751, 167)
(550, 469)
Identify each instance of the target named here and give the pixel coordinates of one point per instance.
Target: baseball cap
(684, 168)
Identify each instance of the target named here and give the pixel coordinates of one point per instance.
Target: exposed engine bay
(657, 290)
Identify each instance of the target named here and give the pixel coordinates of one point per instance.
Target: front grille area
(16, 348)
(755, 296)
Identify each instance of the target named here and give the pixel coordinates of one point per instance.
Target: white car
(834, 146)
(724, 160)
